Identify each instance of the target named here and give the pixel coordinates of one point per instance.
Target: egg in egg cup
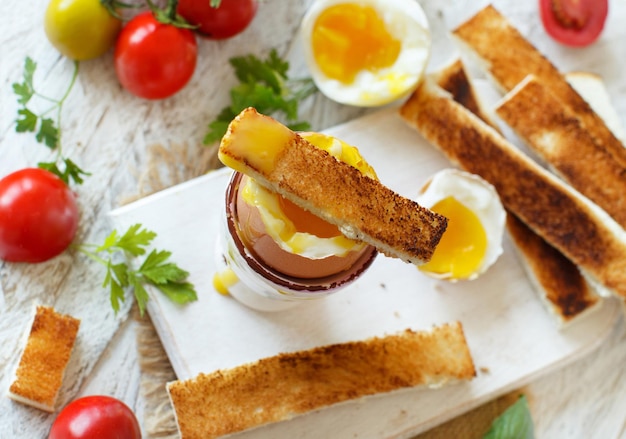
(274, 254)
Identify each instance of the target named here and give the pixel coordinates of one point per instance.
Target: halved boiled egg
(472, 241)
(366, 52)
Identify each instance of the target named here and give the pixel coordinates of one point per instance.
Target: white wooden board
(512, 337)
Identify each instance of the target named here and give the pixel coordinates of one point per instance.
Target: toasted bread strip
(360, 206)
(41, 368)
(454, 79)
(562, 288)
(278, 388)
(558, 282)
(559, 138)
(508, 58)
(579, 229)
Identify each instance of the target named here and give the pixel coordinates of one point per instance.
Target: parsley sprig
(155, 270)
(266, 86)
(46, 125)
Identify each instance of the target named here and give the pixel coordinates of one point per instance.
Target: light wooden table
(110, 133)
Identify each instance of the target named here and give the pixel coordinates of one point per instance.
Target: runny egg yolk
(462, 248)
(348, 38)
(304, 221)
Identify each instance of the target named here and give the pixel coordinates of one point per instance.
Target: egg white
(405, 21)
(477, 195)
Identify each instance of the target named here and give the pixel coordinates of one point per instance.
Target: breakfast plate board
(512, 337)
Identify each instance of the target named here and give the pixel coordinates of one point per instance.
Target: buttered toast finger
(360, 206)
(579, 229)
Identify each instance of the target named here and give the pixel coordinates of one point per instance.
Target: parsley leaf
(46, 129)
(156, 269)
(70, 171)
(515, 423)
(26, 122)
(264, 85)
(48, 133)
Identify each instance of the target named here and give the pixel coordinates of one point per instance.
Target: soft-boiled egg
(290, 239)
(472, 241)
(366, 52)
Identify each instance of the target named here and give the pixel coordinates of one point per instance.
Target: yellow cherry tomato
(80, 29)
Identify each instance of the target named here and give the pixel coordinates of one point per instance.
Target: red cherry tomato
(38, 216)
(154, 60)
(101, 417)
(230, 18)
(574, 22)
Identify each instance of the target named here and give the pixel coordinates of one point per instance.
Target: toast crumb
(40, 372)
(286, 385)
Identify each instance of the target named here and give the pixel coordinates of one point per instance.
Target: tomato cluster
(155, 54)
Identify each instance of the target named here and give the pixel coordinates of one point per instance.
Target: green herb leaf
(71, 170)
(25, 90)
(26, 121)
(156, 269)
(216, 3)
(515, 423)
(48, 133)
(179, 292)
(264, 85)
(46, 129)
(141, 295)
(135, 239)
(117, 295)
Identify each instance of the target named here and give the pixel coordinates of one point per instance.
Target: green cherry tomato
(80, 29)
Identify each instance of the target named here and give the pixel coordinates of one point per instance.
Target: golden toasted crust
(558, 136)
(360, 206)
(281, 387)
(559, 281)
(454, 79)
(509, 58)
(41, 368)
(580, 230)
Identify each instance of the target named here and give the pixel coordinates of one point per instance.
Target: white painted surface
(109, 132)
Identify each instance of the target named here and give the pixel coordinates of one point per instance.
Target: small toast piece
(559, 284)
(561, 287)
(508, 58)
(40, 372)
(360, 206)
(558, 136)
(280, 387)
(567, 220)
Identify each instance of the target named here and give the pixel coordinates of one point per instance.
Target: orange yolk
(463, 245)
(306, 222)
(349, 38)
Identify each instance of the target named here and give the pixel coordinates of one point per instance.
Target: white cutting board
(512, 337)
